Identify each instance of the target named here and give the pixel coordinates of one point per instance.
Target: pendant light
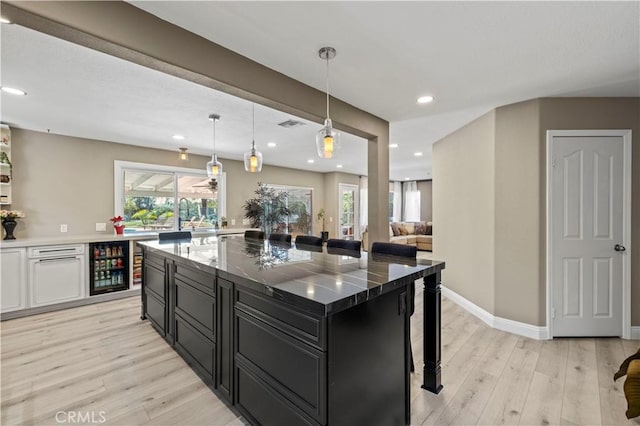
(327, 139)
(253, 158)
(183, 154)
(214, 167)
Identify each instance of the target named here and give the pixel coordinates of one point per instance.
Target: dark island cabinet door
(155, 292)
(224, 339)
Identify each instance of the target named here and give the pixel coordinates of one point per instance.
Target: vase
(9, 225)
(119, 229)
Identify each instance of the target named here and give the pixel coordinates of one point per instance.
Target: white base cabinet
(13, 279)
(56, 280)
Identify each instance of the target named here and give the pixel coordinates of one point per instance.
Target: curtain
(397, 202)
(411, 198)
(364, 203)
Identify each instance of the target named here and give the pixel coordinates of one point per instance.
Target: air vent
(291, 123)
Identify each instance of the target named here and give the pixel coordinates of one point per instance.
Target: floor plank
(102, 358)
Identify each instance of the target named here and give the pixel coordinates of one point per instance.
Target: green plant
(267, 209)
(144, 216)
(4, 158)
(321, 217)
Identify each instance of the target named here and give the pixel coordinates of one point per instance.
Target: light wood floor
(102, 358)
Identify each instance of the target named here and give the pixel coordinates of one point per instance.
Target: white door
(13, 283)
(587, 192)
(56, 280)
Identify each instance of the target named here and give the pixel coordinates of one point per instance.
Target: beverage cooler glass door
(108, 267)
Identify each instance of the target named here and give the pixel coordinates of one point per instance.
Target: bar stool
(405, 251)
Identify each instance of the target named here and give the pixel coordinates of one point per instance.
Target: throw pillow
(403, 230)
(395, 228)
(410, 227)
(421, 229)
(429, 230)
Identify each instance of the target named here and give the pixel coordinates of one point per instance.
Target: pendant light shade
(253, 158)
(214, 167)
(327, 139)
(183, 154)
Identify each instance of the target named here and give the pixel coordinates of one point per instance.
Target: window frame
(119, 168)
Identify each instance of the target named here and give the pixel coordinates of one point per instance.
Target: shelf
(5, 184)
(4, 165)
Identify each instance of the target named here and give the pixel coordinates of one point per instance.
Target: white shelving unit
(5, 168)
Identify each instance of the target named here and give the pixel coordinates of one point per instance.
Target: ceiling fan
(212, 184)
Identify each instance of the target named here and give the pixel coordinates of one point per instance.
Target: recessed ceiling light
(425, 99)
(4, 20)
(339, 166)
(417, 154)
(178, 137)
(393, 145)
(272, 144)
(310, 161)
(13, 91)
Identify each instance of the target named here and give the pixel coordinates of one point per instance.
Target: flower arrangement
(11, 214)
(117, 220)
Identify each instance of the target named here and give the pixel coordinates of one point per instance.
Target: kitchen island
(293, 336)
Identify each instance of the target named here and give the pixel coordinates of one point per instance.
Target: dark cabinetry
(154, 294)
(224, 371)
(276, 362)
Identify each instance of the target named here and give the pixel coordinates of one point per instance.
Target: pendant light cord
(328, 85)
(253, 125)
(214, 135)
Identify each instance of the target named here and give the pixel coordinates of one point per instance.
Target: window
(300, 220)
(156, 198)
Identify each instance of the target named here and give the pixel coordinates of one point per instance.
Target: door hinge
(553, 161)
(553, 313)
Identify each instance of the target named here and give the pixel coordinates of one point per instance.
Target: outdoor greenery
(268, 209)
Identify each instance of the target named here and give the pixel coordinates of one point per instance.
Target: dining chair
(309, 240)
(281, 238)
(353, 245)
(254, 235)
(404, 251)
(174, 236)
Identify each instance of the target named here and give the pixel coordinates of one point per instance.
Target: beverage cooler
(109, 267)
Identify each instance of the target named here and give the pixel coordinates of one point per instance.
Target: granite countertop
(315, 281)
(102, 237)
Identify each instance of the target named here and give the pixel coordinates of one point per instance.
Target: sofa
(418, 234)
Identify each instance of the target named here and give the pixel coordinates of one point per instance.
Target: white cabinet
(57, 277)
(13, 283)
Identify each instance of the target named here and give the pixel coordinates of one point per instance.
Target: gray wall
(66, 180)
(463, 214)
(515, 240)
(426, 200)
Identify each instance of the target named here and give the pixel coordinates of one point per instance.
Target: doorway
(588, 232)
(348, 201)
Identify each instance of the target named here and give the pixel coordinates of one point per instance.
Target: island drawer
(265, 406)
(196, 307)
(151, 259)
(293, 369)
(195, 348)
(156, 312)
(300, 325)
(202, 281)
(154, 280)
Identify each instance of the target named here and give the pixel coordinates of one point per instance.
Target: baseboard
(504, 324)
(635, 333)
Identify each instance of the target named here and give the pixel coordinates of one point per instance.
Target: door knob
(619, 247)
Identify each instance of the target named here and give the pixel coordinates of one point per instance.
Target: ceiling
(472, 56)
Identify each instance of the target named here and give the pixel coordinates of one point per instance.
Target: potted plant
(268, 209)
(321, 217)
(118, 224)
(9, 222)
